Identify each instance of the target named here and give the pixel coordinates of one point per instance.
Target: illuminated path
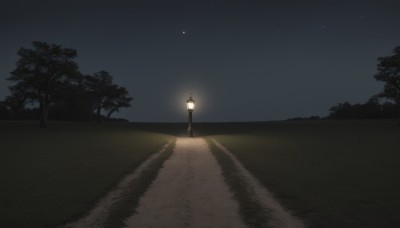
(189, 192)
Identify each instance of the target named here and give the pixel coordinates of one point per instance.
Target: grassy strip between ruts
(129, 199)
(252, 212)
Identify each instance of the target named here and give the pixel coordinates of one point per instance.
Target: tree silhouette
(105, 94)
(389, 73)
(119, 98)
(42, 72)
(74, 102)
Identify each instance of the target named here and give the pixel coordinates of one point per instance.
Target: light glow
(190, 105)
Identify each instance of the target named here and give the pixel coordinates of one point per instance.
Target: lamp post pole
(190, 108)
(190, 128)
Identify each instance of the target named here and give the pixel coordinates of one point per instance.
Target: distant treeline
(388, 72)
(372, 109)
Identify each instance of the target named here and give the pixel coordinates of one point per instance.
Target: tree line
(386, 104)
(372, 109)
(47, 83)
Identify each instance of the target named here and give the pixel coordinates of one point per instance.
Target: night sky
(242, 60)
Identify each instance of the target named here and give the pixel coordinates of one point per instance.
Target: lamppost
(190, 108)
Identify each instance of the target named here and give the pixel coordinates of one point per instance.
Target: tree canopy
(389, 73)
(105, 94)
(41, 72)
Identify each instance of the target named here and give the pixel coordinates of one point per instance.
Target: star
(183, 32)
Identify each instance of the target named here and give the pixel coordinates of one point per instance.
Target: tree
(42, 72)
(119, 98)
(389, 73)
(105, 94)
(73, 104)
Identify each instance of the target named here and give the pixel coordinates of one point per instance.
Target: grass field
(49, 176)
(330, 173)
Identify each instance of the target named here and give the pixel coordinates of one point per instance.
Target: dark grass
(129, 200)
(330, 173)
(51, 176)
(252, 212)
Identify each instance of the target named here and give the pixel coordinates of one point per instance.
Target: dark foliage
(46, 76)
(105, 95)
(40, 73)
(306, 118)
(24, 114)
(372, 109)
(389, 73)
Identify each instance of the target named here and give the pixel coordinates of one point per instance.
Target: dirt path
(189, 192)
